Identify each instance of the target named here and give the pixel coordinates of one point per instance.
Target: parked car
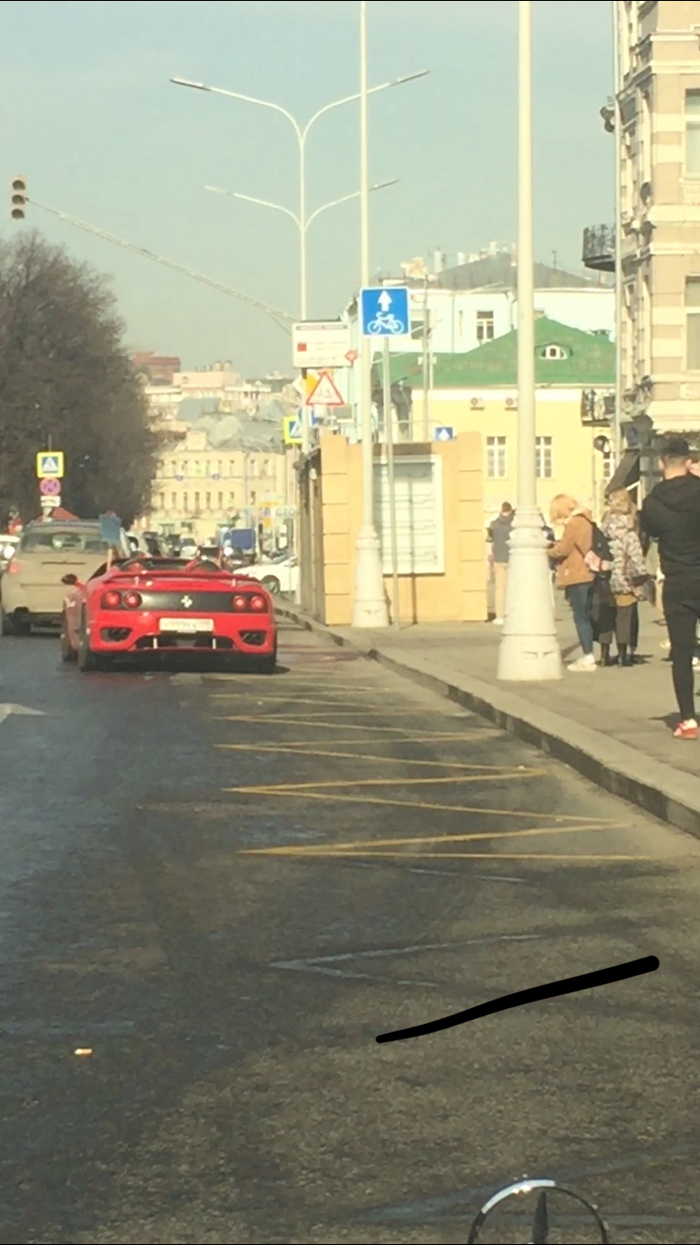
(8, 544)
(31, 590)
(155, 606)
(188, 547)
(281, 575)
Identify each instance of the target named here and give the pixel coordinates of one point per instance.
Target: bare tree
(65, 374)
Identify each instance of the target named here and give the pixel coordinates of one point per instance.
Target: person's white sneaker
(498, 622)
(584, 665)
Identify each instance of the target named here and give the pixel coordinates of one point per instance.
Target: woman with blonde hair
(618, 597)
(573, 574)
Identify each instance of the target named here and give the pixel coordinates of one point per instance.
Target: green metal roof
(590, 360)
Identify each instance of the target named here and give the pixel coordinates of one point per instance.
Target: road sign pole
(389, 434)
(369, 607)
(305, 418)
(426, 366)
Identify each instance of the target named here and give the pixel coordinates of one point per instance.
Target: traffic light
(19, 197)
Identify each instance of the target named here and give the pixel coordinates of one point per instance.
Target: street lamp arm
(247, 99)
(272, 312)
(348, 99)
(346, 198)
(233, 194)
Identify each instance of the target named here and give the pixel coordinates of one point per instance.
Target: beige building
(659, 102)
(207, 479)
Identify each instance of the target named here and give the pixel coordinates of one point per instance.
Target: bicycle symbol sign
(385, 311)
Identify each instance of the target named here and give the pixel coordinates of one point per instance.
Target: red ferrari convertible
(148, 606)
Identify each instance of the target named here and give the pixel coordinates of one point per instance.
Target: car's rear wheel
(272, 583)
(68, 653)
(87, 660)
(267, 664)
(12, 626)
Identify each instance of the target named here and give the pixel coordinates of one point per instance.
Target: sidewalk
(612, 726)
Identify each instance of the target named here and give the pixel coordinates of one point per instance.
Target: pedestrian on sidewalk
(499, 536)
(616, 598)
(671, 514)
(573, 574)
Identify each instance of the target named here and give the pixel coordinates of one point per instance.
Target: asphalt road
(225, 887)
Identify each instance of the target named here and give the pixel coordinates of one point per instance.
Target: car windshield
(51, 538)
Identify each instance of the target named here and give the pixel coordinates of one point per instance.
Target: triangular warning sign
(325, 392)
(49, 464)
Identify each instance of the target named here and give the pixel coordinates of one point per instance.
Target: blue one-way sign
(444, 433)
(384, 311)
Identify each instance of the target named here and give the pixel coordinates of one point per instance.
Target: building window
(496, 465)
(484, 326)
(173, 468)
(219, 469)
(207, 502)
(232, 467)
(185, 502)
(692, 133)
(196, 502)
(161, 501)
(184, 469)
(232, 499)
(543, 458)
(692, 323)
(419, 515)
(173, 501)
(553, 352)
(220, 501)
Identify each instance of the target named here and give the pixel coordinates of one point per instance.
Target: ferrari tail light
(111, 600)
(258, 604)
(239, 602)
(132, 600)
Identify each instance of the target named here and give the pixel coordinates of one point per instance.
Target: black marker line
(570, 985)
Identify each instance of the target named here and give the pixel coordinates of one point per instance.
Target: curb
(666, 793)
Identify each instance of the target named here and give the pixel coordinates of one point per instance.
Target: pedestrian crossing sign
(50, 465)
(291, 430)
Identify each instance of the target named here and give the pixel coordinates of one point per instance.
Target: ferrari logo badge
(187, 602)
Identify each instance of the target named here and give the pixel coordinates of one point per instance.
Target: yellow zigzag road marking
(526, 856)
(359, 756)
(365, 848)
(335, 726)
(304, 744)
(289, 793)
(358, 713)
(281, 787)
(290, 695)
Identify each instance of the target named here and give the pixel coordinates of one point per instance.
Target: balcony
(597, 408)
(599, 248)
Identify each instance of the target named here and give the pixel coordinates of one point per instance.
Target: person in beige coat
(573, 574)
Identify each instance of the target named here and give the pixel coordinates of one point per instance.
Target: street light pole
(369, 606)
(529, 649)
(302, 134)
(619, 286)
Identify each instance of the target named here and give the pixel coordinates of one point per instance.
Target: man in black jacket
(671, 514)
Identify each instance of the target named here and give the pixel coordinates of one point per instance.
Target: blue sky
(91, 119)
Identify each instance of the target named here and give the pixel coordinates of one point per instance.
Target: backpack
(599, 558)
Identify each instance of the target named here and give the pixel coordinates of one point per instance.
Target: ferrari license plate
(187, 626)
